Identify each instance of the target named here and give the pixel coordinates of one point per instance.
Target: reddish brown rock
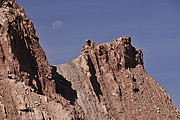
(21, 55)
(106, 82)
(111, 83)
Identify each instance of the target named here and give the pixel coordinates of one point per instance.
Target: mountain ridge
(107, 81)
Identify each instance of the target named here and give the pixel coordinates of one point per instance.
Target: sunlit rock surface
(106, 82)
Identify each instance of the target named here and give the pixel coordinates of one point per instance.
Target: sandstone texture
(106, 82)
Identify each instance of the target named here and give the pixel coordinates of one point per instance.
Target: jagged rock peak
(120, 48)
(106, 82)
(21, 55)
(9, 3)
(123, 40)
(111, 80)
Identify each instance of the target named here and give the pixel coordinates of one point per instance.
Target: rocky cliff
(106, 82)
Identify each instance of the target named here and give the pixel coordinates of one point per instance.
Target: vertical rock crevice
(94, 82)
(23, 54)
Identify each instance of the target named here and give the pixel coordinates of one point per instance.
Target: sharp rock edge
(106, 82)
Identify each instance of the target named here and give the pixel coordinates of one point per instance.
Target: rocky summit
(106, 82)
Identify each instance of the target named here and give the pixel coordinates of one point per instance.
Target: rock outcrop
(21, 56)
(106, 82)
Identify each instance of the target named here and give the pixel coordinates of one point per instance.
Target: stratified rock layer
(106, 82)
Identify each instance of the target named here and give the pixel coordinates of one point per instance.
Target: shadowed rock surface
(106, 82)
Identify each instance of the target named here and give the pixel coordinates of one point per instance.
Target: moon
(57, 25)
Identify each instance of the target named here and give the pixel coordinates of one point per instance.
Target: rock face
(21, 56)
(106, 82)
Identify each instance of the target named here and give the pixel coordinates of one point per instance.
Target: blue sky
(154, 25)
